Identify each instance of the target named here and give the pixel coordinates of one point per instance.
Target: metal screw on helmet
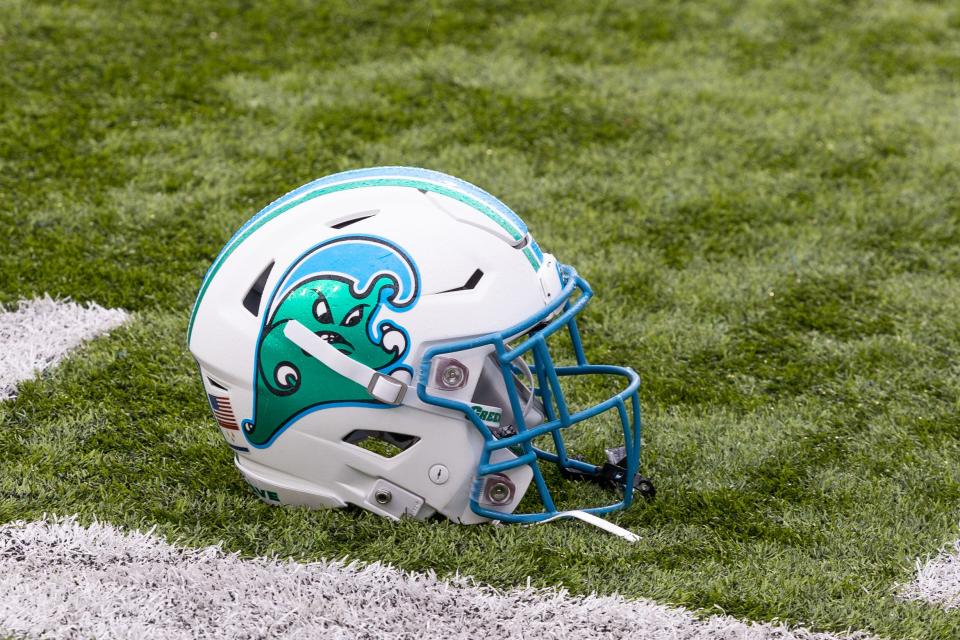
(498, 490)
(499, 493)
(383, 496)
(451, 374)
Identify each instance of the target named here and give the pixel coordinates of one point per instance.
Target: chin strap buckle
(613, 474)
(386, 388)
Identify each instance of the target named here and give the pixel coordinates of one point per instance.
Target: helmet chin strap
(384, 388)
(598, 522)
(381, 386)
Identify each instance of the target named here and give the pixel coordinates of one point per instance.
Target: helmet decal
(337, 290)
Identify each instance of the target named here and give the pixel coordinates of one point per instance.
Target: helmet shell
(426, 258)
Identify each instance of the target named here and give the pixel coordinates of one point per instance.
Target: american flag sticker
(223, 412)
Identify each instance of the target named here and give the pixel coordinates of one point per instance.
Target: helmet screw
(439, 474)
(499, 493)
(452, 376)
(383, 496)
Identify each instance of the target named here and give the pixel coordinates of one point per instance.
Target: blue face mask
(538, 409)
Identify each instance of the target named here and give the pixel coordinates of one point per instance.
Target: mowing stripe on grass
(938, 580)
(39, 333)
(62, 580)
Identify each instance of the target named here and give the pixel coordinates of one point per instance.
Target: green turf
(764, 195)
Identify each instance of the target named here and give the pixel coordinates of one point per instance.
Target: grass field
(765, 196)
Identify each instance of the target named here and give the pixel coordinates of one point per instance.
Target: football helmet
(379, 338)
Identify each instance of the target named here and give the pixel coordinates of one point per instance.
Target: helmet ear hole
(383, 443)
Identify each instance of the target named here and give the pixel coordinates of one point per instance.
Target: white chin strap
(384, 388)
(598, 522)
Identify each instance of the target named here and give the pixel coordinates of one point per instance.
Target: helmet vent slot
(214, 383)
(251, 301)
(354, 218)
(383, 443)
(471, 283)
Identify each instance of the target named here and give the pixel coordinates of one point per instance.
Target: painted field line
(937, 580)
(61, 580)
(39, 333)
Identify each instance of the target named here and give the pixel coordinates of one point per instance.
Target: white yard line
(938, 580)
(61, 580)
(40, 332)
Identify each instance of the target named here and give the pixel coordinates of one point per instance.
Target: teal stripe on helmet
(291, 200)
(394, 172)
(531, 256)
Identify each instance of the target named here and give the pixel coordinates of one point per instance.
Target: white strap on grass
(382, 387)
(598, 522)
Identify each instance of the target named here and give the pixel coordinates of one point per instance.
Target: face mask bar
(529, 338)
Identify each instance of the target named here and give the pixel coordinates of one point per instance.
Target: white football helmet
(378, 338)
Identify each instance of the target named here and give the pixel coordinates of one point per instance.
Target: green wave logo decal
(337, 290)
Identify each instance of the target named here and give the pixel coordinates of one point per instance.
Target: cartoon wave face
(336, 290)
